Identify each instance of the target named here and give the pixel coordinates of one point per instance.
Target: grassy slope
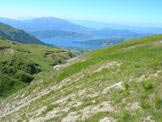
(14, 34)
(126, 77)
(20, 63)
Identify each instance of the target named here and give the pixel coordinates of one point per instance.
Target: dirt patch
(72, 117)
(102, 107)
(129, 47)
(133, 106)
(7, 51)
(144, 77)
(89, 111)
(118, 85)
(107, 65)
(148, 119)
(158, 43)
(68, 63)
(107, 119)
(141, 78)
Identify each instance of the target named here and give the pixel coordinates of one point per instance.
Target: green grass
(144, 59)
(9, 85)
(20, 63)
(148, 85)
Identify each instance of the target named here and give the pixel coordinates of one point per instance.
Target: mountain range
(44, 24)
(51, 27)
(143, 28)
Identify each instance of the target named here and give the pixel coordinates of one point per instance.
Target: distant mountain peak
(44, 24)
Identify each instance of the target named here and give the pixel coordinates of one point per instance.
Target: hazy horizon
(84, 21)
(144, 13)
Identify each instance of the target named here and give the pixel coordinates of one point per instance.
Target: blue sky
(117, 11)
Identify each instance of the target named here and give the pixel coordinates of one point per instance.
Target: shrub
(147, 85)
(125, 116)
(5, 83)
(22, 76)
(2, 38)
(59, 61)
(8, 70)
(32, 68)
(49, 108)
(145, 105)
(158, 103)
(126, 86)
(9, 85)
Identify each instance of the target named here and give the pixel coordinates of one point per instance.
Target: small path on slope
(85, 112)
(44, 92)
(68, 63)
(71, 79)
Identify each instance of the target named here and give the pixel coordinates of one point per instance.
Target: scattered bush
(32, 68)
(125, 116)
(2, 38)
(22, 76)
(9, 85)
(148, 85)
(5, 83)
(126, 86)
(158, 103)
(8, 70)
(49, 108)
(58, 61)
(145, 105)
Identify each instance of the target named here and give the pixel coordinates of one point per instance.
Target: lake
(70, 43)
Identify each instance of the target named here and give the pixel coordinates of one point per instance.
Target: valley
(97, 86)
(66, 34)
(80, 61)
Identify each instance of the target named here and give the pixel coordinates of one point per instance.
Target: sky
(117, 11)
